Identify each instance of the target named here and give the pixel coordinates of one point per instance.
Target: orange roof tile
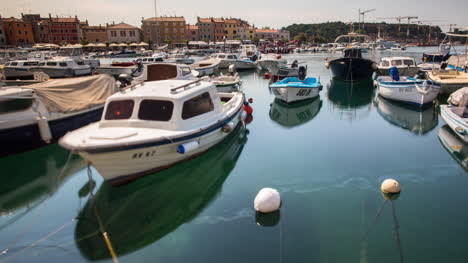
(205, 20)
(267, 31)
(64, 20)
(192, 27)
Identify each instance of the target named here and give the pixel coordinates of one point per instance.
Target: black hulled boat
(352, 67)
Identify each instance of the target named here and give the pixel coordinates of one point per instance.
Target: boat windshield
(408, 62)
(352, 53)
(119, 110)
(155, 110)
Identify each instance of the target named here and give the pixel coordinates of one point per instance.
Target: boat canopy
(459, 97)
(74, 94)
(353, 35)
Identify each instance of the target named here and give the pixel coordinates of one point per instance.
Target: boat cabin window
(51, 63)
(221, 56)
(119, 110)
(144, 60)
(32, 63)
(385, 63)
(13, 105)
(408, 62)
(197, 106)
(186, 71)
(63, 64)
(80, 63)
(14, 64)
(396, 63)
(231, 57)
(155, 110)
(41, 64)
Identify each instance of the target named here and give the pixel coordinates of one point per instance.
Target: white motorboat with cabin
(180, 58)
(75, 52)
(154, 125)
(206, 67)
(271, 61)
(34, 115)
(406, 89)
(456, 113)
(19, 69)
(63, 67)
(398, 47)
(116, 69)
(405, 65)
(249, 51)
(227, 59)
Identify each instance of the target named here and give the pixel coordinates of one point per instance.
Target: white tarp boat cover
(74, 94)
(459, 97)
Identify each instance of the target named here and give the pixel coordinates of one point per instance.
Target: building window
(123, 34)
(19, 32)
(132, 33)
(113, 34)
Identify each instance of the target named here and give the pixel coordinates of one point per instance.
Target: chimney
(50, 16)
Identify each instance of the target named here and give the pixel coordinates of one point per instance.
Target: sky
(272, 13)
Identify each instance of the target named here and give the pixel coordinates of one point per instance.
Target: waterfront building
(95, 34)
(192, 33)
(63, 30)
(34, 19)
(167, 29)
(3, 40)
(123, 33)
(219, 25)
(250, 33)
(231, 28)
(18, 32)
(206, 27)
(43, 31)
(272, 34)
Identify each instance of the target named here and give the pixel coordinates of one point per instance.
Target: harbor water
(327, 158)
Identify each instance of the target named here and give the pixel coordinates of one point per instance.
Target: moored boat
(456, 147)
(405, 65)
(456, 113)
(63, 67)
(35, 115)
(295, 89)
(205, 67)
(407, 89)
(152, 126)
(448, 80)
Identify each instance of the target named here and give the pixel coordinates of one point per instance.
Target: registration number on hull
(303, 92)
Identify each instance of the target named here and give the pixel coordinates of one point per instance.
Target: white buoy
(267, 200)
(390, 186)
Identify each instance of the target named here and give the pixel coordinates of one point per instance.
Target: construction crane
(363, 13)
(398, 18)
(409, 21)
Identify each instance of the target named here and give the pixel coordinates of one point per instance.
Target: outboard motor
(295, 64)
(125, 80)
(302, 73)
(393, 72)
(443, 65)
(254, 58)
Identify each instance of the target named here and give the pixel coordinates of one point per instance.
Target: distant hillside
(327, 32)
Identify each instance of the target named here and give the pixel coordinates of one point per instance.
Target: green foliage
(327, 32)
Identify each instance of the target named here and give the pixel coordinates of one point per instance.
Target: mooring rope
(397, 231)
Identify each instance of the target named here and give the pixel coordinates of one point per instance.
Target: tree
(302, 37)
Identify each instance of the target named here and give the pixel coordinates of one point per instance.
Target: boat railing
(186, 86)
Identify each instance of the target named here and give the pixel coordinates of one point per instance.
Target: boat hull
(27, 137)
(292, 94)
(65, 72)
(17, 73)
(408, 93)
(456, 123)
(116, 71)
(120, 166)
(352, 69)
(403, 71)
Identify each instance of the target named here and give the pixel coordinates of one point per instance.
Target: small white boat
(448, 80)
(398, 47)
(249, 51)
(226, 80)
(154, 125)
(456, 114)
(180, 58)
(150, 60)
(62, 67)
(227, 59)
(19, 69)
(294, 89)
(205, 67)
(271, 62)
(408, 90)
(405, 65)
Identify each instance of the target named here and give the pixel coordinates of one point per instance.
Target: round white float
(267, 200)
(390, 186)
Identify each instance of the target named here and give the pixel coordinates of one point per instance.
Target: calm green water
(327, 158)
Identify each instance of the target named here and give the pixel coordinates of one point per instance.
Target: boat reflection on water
(295, 114)
(31, 177)
(454, 145)
(349, 97)
(142, 212)
(417, 120)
